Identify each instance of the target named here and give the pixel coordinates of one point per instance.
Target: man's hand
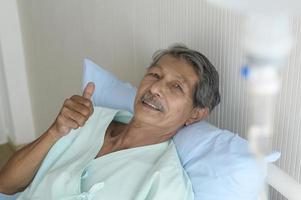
(75, 112)
(21, 168)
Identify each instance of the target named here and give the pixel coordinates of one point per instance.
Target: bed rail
(283, 183)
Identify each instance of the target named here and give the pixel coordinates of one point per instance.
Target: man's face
(164, 97)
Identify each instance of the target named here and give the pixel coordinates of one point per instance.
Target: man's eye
(177, 86)
(155, 75)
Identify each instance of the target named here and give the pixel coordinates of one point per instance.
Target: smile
(151, 106)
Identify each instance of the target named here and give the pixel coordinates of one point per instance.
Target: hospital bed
(276, 178)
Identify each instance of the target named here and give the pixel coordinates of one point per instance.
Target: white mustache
(149, 98)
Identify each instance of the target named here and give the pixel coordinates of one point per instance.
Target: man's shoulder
(169, 159)
(173, 177)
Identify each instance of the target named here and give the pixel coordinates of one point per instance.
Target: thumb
(89, 90)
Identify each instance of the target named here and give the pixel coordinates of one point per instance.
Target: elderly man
(112, 154)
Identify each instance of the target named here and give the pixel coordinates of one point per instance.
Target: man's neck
(136, 134)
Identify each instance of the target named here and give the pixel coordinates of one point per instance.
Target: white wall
(3, 102)
(122, 35)
(15, 101)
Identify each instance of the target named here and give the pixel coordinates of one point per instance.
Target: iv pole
(267, 44)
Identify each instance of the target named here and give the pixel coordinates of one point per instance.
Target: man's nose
(157, 88)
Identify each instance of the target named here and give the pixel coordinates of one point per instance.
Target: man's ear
(197, 115)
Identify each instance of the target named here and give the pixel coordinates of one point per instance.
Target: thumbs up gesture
(74, 113)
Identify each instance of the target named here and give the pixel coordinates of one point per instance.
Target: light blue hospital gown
(70, 172)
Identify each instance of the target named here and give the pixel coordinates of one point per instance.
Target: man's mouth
(150, 105)
(150, 102)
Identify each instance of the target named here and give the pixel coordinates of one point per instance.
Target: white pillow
(217, 161)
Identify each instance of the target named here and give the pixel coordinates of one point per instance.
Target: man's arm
(21, 168)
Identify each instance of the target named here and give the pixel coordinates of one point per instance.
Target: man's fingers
(75, 111)
(74, 116)
(89, 90)
(79, 107)
(64, 124)
(69, 124)
(82, 100)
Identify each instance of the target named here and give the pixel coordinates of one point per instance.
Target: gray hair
(206, 92)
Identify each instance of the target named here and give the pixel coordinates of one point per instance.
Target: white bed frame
(283, 183)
